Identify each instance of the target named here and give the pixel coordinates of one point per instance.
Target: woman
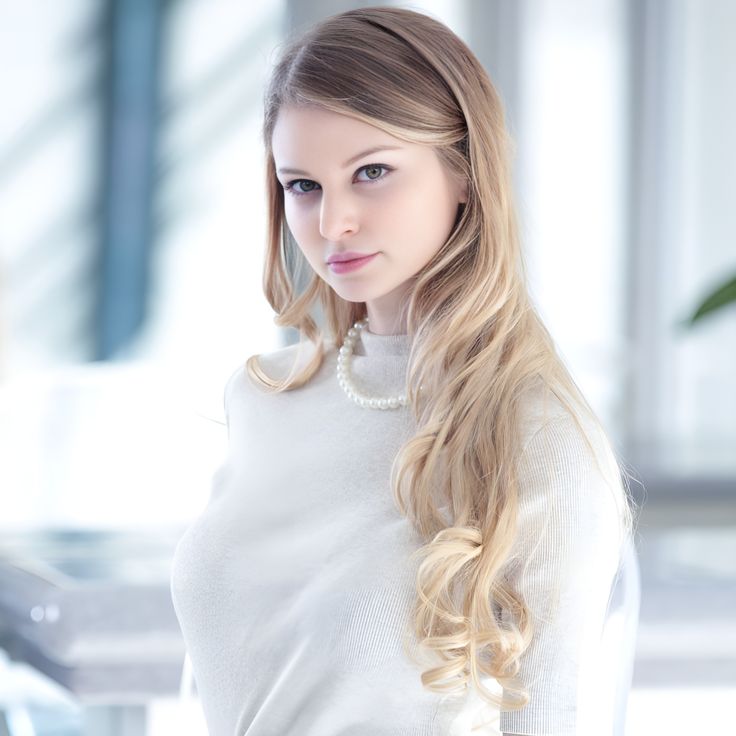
(420, 518)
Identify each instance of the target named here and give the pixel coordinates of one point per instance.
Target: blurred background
(132, 230)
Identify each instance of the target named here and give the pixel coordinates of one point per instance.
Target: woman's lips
(346, 266)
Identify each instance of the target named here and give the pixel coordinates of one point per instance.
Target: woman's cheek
(302, 214)
(294, 221)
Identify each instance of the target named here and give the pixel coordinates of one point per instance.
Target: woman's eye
(290, 186)
(372, 167)
(300, 187)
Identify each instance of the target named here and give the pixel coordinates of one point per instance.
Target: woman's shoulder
(276, 364)
(568, 458)
(538, 407)
(545, 417)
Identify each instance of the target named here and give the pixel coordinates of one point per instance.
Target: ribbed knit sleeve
(567, 553)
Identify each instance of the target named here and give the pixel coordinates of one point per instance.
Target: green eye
(289, 186)
(307, 186)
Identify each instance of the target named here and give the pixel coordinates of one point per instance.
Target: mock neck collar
(371, 343)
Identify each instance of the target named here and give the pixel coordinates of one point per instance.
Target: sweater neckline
(371, 343)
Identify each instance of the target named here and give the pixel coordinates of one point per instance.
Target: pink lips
(347, 256)
(351, 264)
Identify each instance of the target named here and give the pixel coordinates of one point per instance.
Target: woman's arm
(567, 551)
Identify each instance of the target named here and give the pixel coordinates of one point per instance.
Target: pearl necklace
(345, 379)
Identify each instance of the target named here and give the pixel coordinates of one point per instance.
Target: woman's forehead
(307, 133)
(317, 121)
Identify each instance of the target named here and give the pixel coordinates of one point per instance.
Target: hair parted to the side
(478, 345)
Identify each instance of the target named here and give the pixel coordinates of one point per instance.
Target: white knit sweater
(293, 587)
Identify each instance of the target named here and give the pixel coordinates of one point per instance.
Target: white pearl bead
(346, 382)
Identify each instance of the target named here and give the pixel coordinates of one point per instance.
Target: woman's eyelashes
(290, 186)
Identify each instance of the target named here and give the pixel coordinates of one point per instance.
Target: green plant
(722, 296)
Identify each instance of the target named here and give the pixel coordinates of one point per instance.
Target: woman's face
(397, 205)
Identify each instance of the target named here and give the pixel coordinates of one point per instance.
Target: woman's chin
(356, 294)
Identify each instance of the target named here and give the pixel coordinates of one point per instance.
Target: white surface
(106, 445)
(680, 711)
(675, 712)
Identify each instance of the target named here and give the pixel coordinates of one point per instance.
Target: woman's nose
(338, 216)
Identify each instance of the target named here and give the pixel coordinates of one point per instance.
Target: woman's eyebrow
(374, 149)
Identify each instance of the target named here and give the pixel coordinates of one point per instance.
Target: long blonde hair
(477, 344)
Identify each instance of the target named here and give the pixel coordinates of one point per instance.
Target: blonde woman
(420, 518)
